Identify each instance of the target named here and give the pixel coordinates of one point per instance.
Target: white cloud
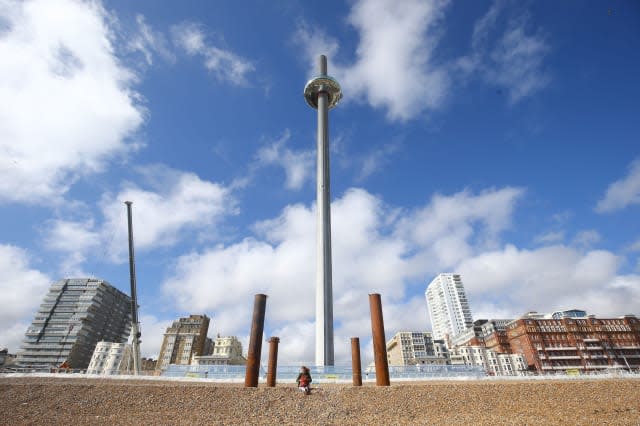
(549, 278)
(515, 61)
(622, 193)
(172, 204)
(550, 237)
(67, 103)
(375, 160)
(587, 238)
(22, 289)
(298, 165)
(394, 67)
(224, 64)
(376, 249)
(149, 42)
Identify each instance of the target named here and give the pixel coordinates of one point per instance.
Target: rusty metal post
(356, 364)
(273, 362)
(379, 342)
(255, 342)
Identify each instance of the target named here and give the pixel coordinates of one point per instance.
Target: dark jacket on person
(304, 377)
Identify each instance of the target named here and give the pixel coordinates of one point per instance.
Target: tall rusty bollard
(356, 363)
(273, 362)
(255, 342)
(379, 342)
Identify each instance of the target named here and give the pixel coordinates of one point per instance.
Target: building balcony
(563, 348)
(593, 348)
(553, 357)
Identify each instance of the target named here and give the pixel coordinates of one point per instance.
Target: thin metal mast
(135, 326)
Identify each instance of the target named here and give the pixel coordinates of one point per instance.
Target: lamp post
(323, 93)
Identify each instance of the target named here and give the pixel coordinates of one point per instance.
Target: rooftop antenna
(135, 326)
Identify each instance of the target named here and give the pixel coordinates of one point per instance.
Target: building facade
(111, 358)
(448, 306)
(412, 348)
(226, 351)
(578, 343)
(184, 339)
(75, 315)
(494, 363)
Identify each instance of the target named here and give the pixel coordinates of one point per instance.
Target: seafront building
(183, 340)
(226, 351)
(111, 358)
(412, 348)
(75, 315)
(448, 306)
(494, 363)
(576, 342)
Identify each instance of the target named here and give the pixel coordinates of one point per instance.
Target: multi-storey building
(111, 358)
(226, 351)
(186, 338)
(75, 315)
(494, 363)
(411, 348)
(448, 306)
(148, 364)
(491, 334)
(570, 342)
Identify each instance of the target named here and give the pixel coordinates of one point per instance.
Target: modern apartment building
(75, 315)
(413, 347)
(557, 342)
(111, 358)
(491, 334)
(186, 338)
(227, 351)
(448, 306)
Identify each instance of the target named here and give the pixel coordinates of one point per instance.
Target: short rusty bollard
(273, 362)
(356, 363)
(255, 342)
(379, 342)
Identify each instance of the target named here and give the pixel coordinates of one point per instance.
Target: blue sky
(497, 139)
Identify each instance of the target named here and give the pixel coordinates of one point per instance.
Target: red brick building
(586, 344)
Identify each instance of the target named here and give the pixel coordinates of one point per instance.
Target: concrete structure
(494, 363)
(414, 347)
(111, 358)
(323, 93)
(574, 343)
(185, 339)
(226, 351)
(6, 359)
(448, 306)
(75, 315)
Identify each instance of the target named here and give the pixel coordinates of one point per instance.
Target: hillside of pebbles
(64, 401)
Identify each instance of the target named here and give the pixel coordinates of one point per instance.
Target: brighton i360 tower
(323, 93)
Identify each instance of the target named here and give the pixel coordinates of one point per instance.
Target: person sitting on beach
(304, 380)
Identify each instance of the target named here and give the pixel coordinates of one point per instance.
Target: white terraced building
(448, 306)
(111, 358)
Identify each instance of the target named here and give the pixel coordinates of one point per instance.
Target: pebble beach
(84, 401)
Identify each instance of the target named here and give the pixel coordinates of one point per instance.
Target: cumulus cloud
(22, 288)
(622, 193)
(547, 279)
(224, 64)
(298, 165)
(68, 105)
(170, 205)
(376, 249)
(394, 67)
